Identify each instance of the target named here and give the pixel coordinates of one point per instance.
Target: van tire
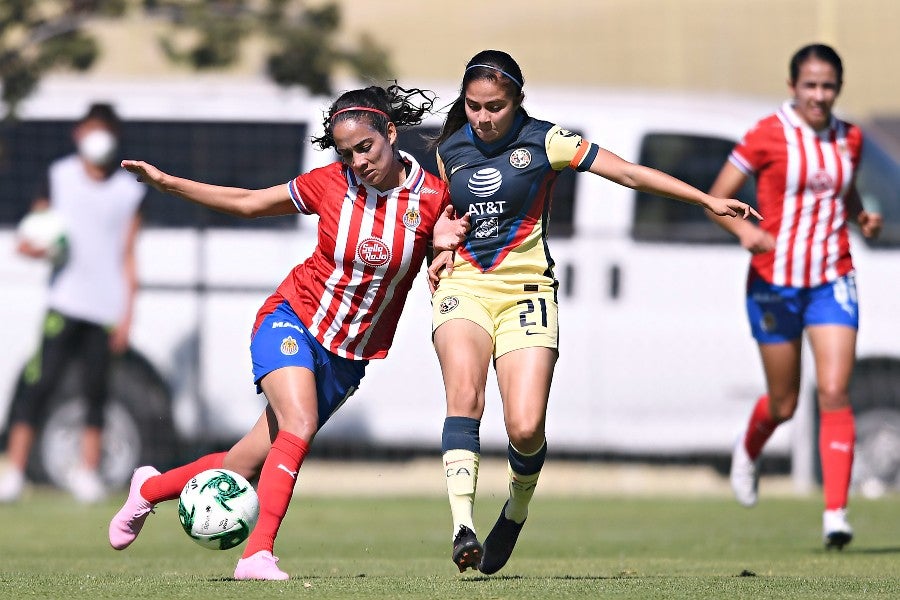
(875, 396)
(139, 428)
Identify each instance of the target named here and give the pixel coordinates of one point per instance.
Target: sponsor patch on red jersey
(373, 252)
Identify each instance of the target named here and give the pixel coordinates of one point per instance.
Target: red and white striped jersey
(351, 290)
(803, 178)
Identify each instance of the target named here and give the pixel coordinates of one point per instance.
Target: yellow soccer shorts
(514, 320)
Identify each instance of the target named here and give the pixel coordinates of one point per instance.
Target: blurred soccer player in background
(801, 276)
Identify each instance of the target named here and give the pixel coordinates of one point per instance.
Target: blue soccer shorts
(282, 340)
(780, 314)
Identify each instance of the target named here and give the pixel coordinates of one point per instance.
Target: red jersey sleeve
(855, 145)
(752, 152)
(308, 189)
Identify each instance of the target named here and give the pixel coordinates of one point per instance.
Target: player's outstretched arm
(646, 179)
(240, 202)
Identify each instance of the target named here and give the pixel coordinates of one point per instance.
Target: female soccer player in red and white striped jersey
(801, 275)
(313, 337)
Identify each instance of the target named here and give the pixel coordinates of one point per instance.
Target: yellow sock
(521, 489)
(461, 471)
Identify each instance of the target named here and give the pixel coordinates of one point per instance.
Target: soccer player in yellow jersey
(496, 298)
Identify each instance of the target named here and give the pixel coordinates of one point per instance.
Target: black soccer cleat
(837, 540)
(836, 531)
(467, 549)
(499, 544)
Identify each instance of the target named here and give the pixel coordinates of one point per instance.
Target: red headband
(364, 108)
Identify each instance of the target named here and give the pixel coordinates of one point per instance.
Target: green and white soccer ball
(218, 509)
(45, 230)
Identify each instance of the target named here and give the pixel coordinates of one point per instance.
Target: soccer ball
(218, 509)
(45, 230)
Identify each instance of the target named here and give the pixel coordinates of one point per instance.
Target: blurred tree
(301, 42)
(38, 36)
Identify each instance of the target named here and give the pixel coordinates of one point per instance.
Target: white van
(656, 356)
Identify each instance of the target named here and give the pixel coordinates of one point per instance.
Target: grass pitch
(602, 547)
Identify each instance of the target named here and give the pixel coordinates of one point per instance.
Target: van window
(249, 154)
(878, 182)
(26, 149)
(696, 160)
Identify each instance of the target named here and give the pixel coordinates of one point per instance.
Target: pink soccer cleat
(126, 525)
(260, 566)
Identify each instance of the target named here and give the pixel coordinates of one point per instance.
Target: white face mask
(98, 147)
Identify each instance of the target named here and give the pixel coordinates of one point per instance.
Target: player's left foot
(836, 531)
(499, 544)
(127, 523)
(467, 549)
(260, 566)
(744, 475)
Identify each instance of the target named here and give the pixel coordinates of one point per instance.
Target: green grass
(399, 548)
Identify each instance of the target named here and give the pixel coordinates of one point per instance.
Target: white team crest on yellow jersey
(289, 346)
(520, 158)
(411, 218)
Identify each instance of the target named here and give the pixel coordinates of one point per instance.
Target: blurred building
(720, 46)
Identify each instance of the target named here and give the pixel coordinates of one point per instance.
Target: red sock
(276, 485)
(760, 427)
(836, 440)
(168, 485)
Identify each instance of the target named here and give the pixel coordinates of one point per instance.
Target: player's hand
(146, 173)
(869, 223)
(29, 250)
(118, 340)
(442, 262)
(757, 241)
(450, 232)
(730, 207)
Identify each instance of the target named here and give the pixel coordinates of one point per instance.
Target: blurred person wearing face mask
(90, 297)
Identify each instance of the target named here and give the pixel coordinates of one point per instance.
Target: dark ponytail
(402, 107)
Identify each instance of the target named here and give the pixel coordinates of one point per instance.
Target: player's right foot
(836, 531)
(11, 485)
(260, 566)
(127, 523)
(467, 549)
(744, 475)
(499, 544)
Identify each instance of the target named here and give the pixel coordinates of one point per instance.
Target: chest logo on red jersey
(411, 218)
(374, 252)
(821, 184)
(520, 158)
